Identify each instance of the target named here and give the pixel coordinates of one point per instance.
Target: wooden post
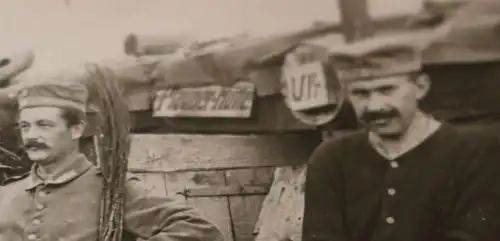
(356, 25)
(355, 20)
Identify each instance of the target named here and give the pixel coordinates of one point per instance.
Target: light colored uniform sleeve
(155, 218)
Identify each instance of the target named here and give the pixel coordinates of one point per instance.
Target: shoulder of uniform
(474, 138)
(477, 133)
(345, 138)
(334, 147)
(14, 182)
(14, 178)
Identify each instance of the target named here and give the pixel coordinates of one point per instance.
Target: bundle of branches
(14, 163)
(112, 145)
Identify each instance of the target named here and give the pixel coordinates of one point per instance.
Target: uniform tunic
(67, 208)
(446, 188)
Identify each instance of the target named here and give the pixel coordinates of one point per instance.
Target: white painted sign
(305, 86)
(210, 101)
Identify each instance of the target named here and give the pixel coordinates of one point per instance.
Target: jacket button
(390, 220)
(40, 206)
(394, 164)
(36, 222)
(391, 191)
(32, 237)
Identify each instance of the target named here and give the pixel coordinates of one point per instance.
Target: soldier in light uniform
(60, 199)
(407, 176)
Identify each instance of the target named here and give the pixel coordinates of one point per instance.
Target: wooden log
(356, 23)
(138, 45)
(133, 74)
(174, 153)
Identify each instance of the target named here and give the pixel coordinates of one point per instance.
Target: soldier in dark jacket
(407, 176)
(60, 199)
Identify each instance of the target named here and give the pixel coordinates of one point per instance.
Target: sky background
(63, 35)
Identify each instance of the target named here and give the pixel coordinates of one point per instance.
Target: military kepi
(378, 57)
(62, 95)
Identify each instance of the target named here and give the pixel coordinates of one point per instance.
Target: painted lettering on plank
(211, 101)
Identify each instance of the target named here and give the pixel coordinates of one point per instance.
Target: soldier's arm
(164, 218)
(323, 211)
(477, 210)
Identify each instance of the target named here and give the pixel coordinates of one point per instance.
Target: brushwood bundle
(14, 163)
(112, 144)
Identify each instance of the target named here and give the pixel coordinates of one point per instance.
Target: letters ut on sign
(305, 86)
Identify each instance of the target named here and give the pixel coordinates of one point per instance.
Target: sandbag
(13, 65)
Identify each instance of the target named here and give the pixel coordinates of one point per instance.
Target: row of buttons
(33, 236)
(40, 206)
(391, 192)
(35, 222)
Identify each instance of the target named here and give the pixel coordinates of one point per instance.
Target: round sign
(310, 85)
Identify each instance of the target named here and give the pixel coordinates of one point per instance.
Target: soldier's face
(45, 133)
(387, 105)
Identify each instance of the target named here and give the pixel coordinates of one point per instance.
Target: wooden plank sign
(305, 86)
(209, 101)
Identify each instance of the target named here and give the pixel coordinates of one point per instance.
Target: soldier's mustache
(36, 145)
(372, 115)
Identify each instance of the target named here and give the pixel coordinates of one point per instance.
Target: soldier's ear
(78, 130)
(423, 84)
